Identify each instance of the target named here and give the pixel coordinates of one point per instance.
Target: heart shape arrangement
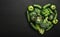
(42, 18)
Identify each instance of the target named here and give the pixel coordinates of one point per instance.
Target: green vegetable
(45, 12)
(40, 30)
(37, 6)
(46, 6)
(53, 7)
(42, 18)
(30, 8)
(51, 17)
(28, 16)
(55, 21)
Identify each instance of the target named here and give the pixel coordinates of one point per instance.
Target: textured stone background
(13, 20)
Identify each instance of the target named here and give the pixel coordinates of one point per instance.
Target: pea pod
(28, 17)
(37, 6)
(47, 5)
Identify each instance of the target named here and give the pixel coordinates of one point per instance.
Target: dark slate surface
(13, 20)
